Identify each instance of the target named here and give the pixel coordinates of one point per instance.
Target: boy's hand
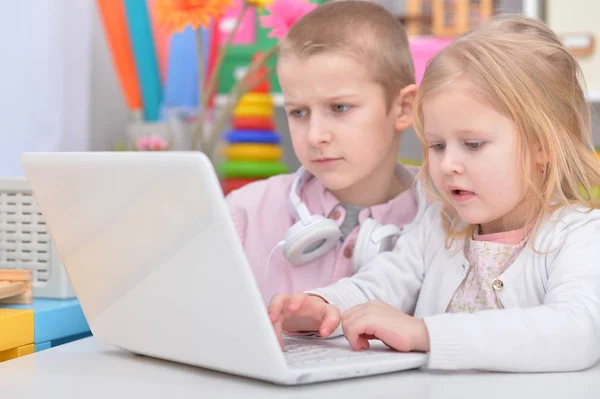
(378, 320)
(302, 312)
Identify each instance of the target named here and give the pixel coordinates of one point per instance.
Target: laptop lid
(153, 255)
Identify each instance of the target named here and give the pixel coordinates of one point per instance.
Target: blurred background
(60, 89)
(115, 75)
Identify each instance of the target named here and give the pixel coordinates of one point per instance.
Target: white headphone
(314, 235)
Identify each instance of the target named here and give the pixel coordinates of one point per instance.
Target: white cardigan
(551, 315)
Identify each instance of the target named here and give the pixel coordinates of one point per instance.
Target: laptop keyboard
(319, 352)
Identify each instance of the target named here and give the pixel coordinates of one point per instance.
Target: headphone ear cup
(305, 243)
(373, 238)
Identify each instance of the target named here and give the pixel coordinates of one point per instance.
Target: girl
(503, 273)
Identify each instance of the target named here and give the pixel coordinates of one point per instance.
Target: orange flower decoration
(177, 14)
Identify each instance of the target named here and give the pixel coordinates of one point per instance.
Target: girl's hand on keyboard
(302, 312)
(378, 320)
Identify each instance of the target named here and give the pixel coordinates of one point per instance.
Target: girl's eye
(474, 145)
(437, 146)
(340, 108)
(297, 113)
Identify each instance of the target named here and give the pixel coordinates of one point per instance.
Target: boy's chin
(333, 180)
(337, 187)
(336, 183)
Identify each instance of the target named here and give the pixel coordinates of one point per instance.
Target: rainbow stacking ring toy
(250, 136)
(253, 152)
(250, 122)
(251, 169)
(253, 110)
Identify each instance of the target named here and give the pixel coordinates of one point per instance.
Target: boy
(347, 78)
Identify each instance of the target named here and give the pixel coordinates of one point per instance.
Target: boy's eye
(340, 107)
(437, 146)
(297, 113)
(474, 145)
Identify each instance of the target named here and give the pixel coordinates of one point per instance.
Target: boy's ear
(403, 106)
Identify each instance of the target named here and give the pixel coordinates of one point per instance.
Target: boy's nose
(318, 134)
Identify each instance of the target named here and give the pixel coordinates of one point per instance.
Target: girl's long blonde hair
(519, 67)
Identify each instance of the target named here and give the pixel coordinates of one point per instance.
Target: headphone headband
(297, 207)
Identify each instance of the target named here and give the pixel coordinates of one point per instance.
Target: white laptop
(158, 268)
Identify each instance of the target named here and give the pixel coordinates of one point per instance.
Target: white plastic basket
(25, 242)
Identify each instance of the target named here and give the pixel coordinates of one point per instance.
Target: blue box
(55, 319)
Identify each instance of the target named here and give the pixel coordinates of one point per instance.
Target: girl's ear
(541, 155)
(403, 106)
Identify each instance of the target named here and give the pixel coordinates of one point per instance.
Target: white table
(90, 369)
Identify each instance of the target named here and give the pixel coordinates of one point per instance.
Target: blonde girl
(503, 272)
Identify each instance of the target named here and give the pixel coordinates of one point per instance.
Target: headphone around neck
(312, 236)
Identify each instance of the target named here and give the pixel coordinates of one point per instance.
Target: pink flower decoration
(151, 143)
(283, 14)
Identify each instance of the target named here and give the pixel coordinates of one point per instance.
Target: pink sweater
(261, 214)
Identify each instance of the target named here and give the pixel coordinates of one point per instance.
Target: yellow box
(16, 328)
(17, 352)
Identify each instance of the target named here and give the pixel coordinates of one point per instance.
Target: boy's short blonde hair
(359, 29)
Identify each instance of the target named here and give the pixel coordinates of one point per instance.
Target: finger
(352, 336)
(363, 341)
(275, 307)
(331, 320)
(296, 302)
(279, 331)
